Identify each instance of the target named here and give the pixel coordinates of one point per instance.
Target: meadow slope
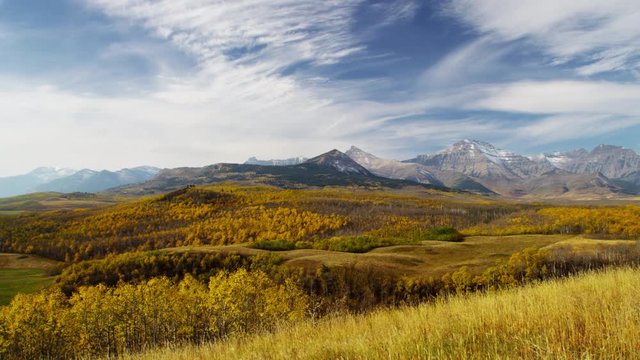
(594, 316)
(21, 273)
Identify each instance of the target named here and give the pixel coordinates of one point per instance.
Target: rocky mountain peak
(339, 161)
(483, 160)
(360, 156)
(603, 148)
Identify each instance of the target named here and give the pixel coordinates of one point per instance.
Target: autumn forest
(203, 264)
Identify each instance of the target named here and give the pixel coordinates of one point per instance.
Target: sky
(108, 84)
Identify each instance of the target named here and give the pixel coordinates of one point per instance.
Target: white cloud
(74, 130)
(474, 61)
(304, 29)
(603, 33)
(238, 102)
(397, 10)
(572, 126)
(561, 97)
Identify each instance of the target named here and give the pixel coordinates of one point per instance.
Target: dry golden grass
(23, 261)
(595, 316)
(585, 246)
(430, 258)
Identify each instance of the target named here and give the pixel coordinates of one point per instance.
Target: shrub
(356, 244)
(274, 245)
(446, 233)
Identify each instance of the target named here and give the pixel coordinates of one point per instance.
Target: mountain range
(68, 181)
(469, 165)
(606, 171)
(272, 162)
(333, 168)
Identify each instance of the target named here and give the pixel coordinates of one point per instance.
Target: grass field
(10, 212)
(47, 201)
(25, 274)
(595, 316)
(14, 281)
(427, 258)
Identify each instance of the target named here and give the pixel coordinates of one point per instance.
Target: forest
(207, 263)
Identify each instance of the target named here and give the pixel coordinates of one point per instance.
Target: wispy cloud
(282, 31)
(559, 128)
(561, 97)
(602, 34)
(192, 82)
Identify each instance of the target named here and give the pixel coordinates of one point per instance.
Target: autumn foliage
(99, 320)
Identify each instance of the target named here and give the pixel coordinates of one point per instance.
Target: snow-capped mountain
(605, 171)
(88, 180)
(22, 184)
(611, 161)
(46, 174)
(276, 162)
(66, 180)
(480, 167)
(483, 160)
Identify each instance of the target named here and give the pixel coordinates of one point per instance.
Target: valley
(340, 234)
(360, 179)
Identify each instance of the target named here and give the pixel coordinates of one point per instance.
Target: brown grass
(23, 261)
(595, 316)
(427, 259)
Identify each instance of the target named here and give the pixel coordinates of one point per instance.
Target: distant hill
(95, 181)
(71, 181)
(23, 184)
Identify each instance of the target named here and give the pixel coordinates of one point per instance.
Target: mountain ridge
(605, 171)
(468, 165)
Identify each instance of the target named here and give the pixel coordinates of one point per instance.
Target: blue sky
(117, 83)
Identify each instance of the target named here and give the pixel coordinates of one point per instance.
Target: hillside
(591, 316)
(48, 201)
(332, 249)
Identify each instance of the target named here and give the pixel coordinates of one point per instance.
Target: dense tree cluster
(231, 215)
(99, 320)
(138, 267)
(147, 309)
(525, 267)
(119, 292)
(614, 221)
(194, 217)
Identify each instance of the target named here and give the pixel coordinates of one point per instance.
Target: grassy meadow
(427, 258)
(24, 274)
(51, 201)
(592, 316)
(14, 281)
